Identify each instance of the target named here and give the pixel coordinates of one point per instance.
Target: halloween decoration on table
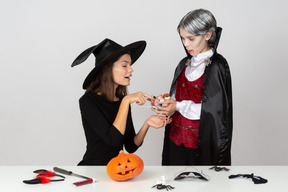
(161, 186)
(43, 177)
(195, 175)
(63, 171)
(255, 179)
(124, 166)
(84, 182)
(87, 180)
(219, 168)
(191, 175)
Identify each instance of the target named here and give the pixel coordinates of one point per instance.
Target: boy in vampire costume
(201, 106)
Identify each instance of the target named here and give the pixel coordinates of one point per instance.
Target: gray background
(40, 121)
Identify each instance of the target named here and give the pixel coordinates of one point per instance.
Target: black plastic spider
(161, 186)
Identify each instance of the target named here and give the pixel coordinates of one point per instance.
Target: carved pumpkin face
(124, 166)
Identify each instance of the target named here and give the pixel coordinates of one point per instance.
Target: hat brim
(136, 49)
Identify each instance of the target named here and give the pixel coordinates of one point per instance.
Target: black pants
(181, 155)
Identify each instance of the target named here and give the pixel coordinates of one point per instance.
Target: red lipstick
(190, 51)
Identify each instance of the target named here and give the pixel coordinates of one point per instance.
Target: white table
(11, 179)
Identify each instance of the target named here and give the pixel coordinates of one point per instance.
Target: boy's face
(194, 44)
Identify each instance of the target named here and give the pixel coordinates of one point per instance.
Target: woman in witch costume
(201, 105)
(105, 106)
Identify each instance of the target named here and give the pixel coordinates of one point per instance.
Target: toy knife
(63, 171)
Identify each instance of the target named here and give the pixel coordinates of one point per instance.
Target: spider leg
(169, 187)
(161, 186)
(154, 186)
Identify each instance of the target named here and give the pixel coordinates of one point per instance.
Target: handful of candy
(159, 101)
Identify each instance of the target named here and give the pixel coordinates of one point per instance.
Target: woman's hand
(157, 121)
(140, 98)
(168, 110)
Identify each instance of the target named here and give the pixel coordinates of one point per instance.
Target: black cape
(216, 122)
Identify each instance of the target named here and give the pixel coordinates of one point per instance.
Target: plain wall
(40, 122)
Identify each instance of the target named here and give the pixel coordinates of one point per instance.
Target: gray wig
(199, 22)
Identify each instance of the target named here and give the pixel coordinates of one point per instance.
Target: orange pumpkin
(124, 166)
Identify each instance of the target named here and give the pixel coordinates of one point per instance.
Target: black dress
(104, 141)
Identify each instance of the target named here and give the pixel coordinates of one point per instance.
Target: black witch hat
(105, 51)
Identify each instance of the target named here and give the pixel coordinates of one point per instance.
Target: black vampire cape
(215, 129)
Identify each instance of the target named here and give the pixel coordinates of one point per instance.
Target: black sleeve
(94, 117)
(130, 145)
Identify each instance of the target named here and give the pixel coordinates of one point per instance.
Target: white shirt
(188, 108)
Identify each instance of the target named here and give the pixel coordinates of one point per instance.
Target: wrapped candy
(159, 101)
(166, 96)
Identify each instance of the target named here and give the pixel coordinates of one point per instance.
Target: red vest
(182, 129)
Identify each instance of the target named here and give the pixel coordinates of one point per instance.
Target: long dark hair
(103, 83)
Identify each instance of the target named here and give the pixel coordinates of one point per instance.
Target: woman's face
(122, 71)
(195, 44)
